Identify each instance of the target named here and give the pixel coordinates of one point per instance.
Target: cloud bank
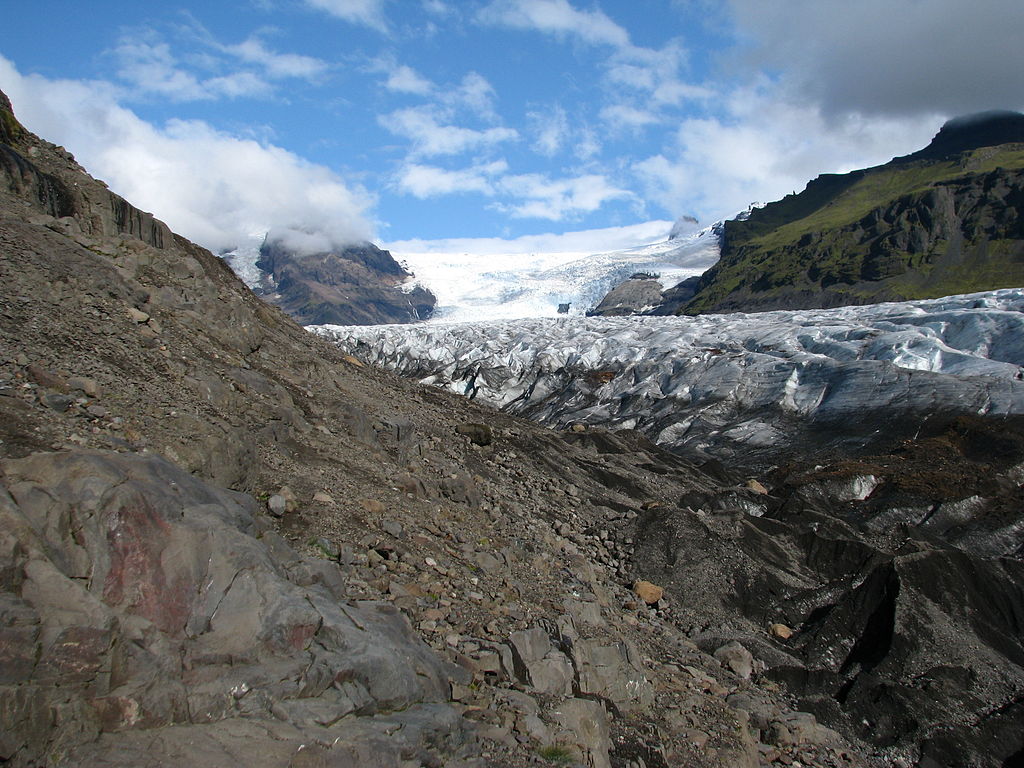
(215, 188)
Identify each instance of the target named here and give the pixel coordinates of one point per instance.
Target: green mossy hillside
(922, 226)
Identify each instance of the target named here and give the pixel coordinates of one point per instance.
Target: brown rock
(373, 506)
(756, 487)
(780, 631)
(648, 592)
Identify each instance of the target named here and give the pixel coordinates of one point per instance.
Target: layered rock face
(355, 285)
(944, 220)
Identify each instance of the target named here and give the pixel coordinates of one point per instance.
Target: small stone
(648, 592)
(393, 527)
(45, 378)
(372, 506)
(579, 428)
(780, 631)
(290, 502)
(478, 434)
(277, 505)
(735, 657)
(322, 497)
(57, 402)
(756, 487)
(137, 315)
(779, 735)
(328, 547)
(87, 386)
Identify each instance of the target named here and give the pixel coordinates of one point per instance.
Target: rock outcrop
(641, 292)
(354, 285)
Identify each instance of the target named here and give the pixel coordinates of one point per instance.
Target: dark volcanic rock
(630, 297)
(355, 285)
(901, 576)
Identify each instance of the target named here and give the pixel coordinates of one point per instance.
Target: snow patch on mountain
(728, 382)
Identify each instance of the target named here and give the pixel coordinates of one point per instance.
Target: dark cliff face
(944, 220)
(355, 285)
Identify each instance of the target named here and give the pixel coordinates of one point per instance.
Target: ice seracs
(732, 383)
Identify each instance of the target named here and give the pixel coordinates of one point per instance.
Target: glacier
(738, 385)
(471, 287)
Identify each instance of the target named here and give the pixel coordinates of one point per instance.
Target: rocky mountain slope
(942, 221)
(224, 542)
(884, 502)
(354, 285)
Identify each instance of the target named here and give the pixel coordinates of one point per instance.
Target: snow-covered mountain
(736, 384)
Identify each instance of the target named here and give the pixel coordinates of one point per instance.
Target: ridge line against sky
(515, 121)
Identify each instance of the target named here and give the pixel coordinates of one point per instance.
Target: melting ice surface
(734, 379)
(472, 287)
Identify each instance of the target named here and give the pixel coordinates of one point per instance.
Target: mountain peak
(981, 129)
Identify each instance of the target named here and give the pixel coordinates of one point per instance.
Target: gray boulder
(145, 613)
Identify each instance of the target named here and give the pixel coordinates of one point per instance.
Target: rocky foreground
(223, 541)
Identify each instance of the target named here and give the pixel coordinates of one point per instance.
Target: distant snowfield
(728, 382)
(471, 287)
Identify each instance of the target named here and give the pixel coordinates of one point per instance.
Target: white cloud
(425, 181)
(522, 196)
(149, 66)
(556, 17)
(557, 199)
(405, 79)
(761, 147)
(623, 117)
(210, 186)
(582, 241)
(551, 128)
(278, 65)
(369, 13)
(436, 7)
(476, 93)
(429, 137)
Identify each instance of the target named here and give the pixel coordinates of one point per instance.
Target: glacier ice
(473, 287)
(729, 383)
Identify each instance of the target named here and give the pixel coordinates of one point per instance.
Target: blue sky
(416, 122)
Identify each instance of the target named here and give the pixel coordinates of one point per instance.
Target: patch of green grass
(556, 753)
(884, 185)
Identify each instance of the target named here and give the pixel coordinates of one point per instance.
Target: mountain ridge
(885, 233)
